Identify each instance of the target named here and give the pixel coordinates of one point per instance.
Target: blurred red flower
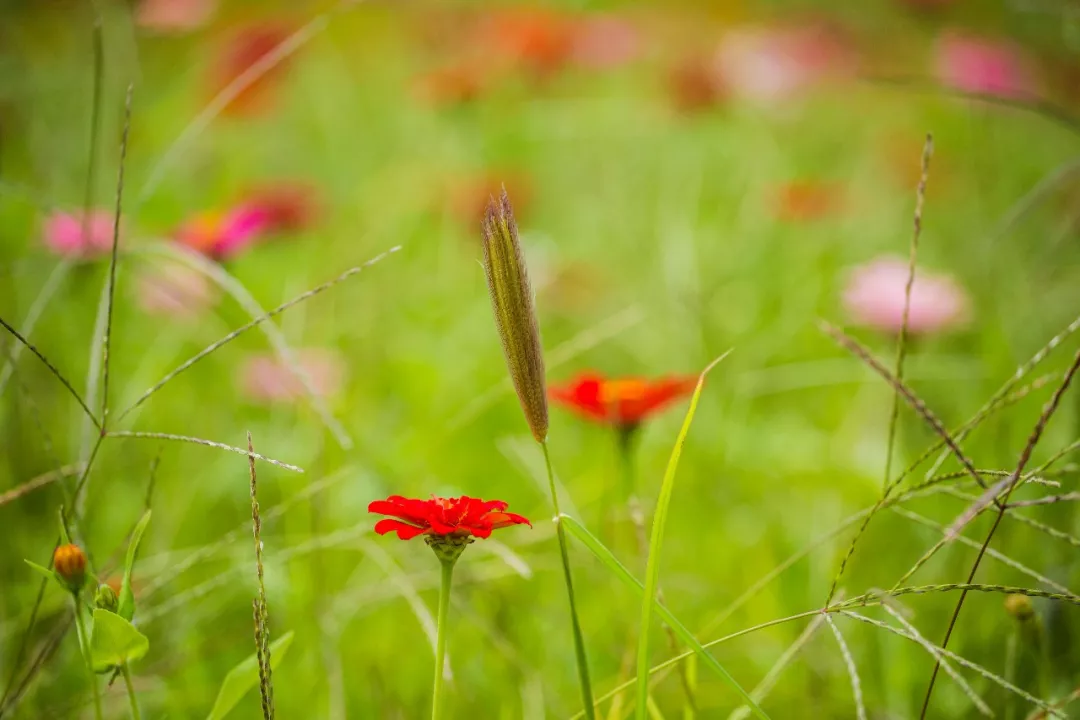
(452, 84)
(622, 402)
(246, 47)
(269, 210)
(461, 516)
(469, 196)
(538, 40)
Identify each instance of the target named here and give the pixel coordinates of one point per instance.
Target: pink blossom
(174, 15)
(272, 209)
(978, 65)
(874, 297)
(770, 65)
(176, 290)
(604, 42)
(265, 379)
(64, 234)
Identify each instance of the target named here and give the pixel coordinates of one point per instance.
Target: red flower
(623, 402)
(460, 517)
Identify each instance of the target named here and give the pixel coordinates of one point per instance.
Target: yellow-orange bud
(69, 561)
(515, 317)
(1019, 606)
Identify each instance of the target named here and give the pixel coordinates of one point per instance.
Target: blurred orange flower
(621, 402)
(806, 200)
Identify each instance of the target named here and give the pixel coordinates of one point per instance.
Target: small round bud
(69, 561)
(106, 598)
(1019, 606)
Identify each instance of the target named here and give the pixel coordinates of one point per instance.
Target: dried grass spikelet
(515, 316)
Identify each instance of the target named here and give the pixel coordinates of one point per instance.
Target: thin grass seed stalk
(515, 316)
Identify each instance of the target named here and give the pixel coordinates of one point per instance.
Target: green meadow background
(654, 247)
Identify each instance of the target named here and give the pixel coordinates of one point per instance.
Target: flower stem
(135, 714)
(579, 640)
(440, 637)
(84, 648)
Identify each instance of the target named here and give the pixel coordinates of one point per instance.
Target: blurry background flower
(693, 84)
(805, 200)
(982, 66)
(65, 235)
(174, 15)
(769, 65)
(469, 195)
(605, 41)
(176, 290)
(621, 402)
(265, 379)
(874, 297)
(245, 47)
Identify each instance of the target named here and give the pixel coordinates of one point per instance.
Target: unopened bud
(69, 561)
(106, 598)
(1019, 606)
(515, 316)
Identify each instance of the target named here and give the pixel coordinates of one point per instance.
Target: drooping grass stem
(84, 648)
(126, 672)
(440, 638)
(579, 639)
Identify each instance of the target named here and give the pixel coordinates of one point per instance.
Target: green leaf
(46, 573)
(127, 596)
(115, 641)
(606, 557)
(245, 676)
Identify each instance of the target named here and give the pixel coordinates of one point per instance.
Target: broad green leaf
(606, 557)
(245, 676)
(127, 596)
(115, 641)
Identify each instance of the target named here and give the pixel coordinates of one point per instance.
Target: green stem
(579, 640)
(440, 637)
(84, 648)
(126, 672)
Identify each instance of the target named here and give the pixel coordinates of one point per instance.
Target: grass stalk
(84, 650)
(440, 638)
(132, 698)
(579, 639)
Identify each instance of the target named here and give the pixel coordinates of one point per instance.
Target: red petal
(404, 530)
(504, 519)
(406, 510)
(582, 395)
(658, 395)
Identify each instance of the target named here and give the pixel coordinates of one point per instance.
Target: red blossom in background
(622, 402)
(983, 66)
(462, 516)
(244, 48)
(806, 200)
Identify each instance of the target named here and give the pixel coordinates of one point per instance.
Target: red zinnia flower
(461, 517)
(623, 402)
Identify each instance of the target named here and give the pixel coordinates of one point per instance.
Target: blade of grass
(849, 662)
(652, 567)
(763, 688)
(200, 441)
(48, 289)
(609, 561)
(901, 344)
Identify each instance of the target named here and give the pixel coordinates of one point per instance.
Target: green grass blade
(652, 569)
(609, 560)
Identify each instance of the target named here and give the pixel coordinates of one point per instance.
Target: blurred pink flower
(874, 297)
(63, 234)
(265, 379)
(770, 65)
(605, 41)
(176, 290)
(279, 208)
(978, 65)
(174, 15)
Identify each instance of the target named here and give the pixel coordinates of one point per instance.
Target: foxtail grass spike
(262, 616)
(515, 316)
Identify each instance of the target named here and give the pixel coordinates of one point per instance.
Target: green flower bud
(106, 598)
